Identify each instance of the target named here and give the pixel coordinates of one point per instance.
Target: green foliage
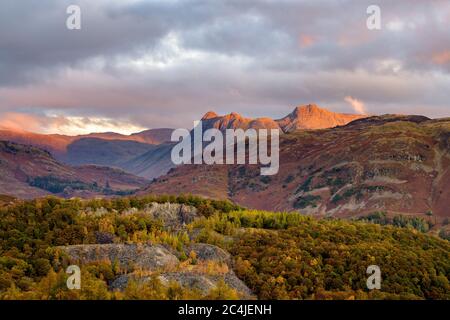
(56, 185)
(279, 255)
(289, 179)
(305, 186)
(378, 217)
(417, 223)
(289, 256)
(30, 231)
(265, 179)
(357, 192)
(306, 201)
(444, 234)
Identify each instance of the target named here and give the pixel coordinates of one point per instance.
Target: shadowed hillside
(29, 172)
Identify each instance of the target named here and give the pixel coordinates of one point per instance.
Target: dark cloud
(144, 61)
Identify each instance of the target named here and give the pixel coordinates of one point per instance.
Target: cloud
(442, 58)
(165, 63)
(358, 106)
(63, 125)
(20, 121)
(306, 41)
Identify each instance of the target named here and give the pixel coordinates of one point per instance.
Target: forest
(278, 255)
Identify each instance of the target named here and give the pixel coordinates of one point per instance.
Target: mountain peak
(210, 115)
(311, 116)
(304, 117)
(233, 115)
(308, 107)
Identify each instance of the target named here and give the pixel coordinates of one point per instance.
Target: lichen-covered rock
(172, 214)
(128, 256)
(209, 252)
(97, 212)
(206, 282)
(192, 280)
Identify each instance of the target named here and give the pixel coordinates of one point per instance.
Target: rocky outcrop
(194, 281)
(206, 252)
(160, 261)
(129, 256)
(172, 214)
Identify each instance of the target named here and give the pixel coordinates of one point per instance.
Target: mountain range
(306, 117)
(331, 164)
(147, 153)
(392, 163)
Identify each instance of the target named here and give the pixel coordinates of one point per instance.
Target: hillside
(107, 148)
(397, 164)
(193, 248)
(152, 163)
(29, 172)
(152, 136)
(104, 152)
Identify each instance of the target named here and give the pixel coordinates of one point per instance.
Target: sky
(138, 64)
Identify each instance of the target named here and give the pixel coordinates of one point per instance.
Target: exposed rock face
(303, 117)
(236, 121)
(172, 214)
(129, 256)
(205, 252)
(202, 282)
(156, 258)
(312, 117)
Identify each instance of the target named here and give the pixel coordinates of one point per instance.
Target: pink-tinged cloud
(306, 41)
(22, 122)
(355, 36)
(356, 104)
(442, 58)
